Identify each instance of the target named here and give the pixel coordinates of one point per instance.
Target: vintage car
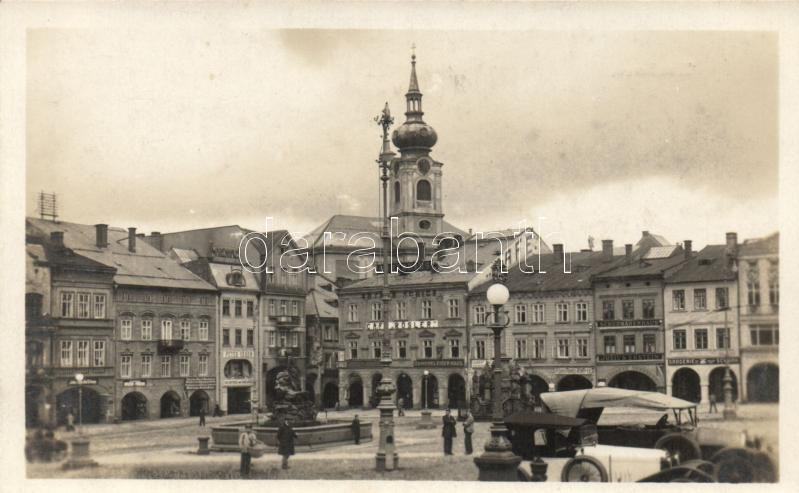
(735, 459)
(570, 448)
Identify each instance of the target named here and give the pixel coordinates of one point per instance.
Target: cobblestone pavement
(174, 441)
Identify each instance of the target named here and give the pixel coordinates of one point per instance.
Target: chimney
(732, 244)
(644, 233)
(101, 231)
(132, 240)
(157, 240)
(57, 239)
(628, 250)
(557, 249)
(686, 244)
(607, 250)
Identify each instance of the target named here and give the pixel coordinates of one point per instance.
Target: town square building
(163, 317)
(702, 324)
(550, 335)
(325, 347)
(428, 334)
(213, 254)
(759, 302)
(629, 311)
(69, 315)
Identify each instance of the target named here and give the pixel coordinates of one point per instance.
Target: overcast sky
(606, 134)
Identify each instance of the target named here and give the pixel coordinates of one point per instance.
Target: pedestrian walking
(448, 431)
(247, 440)
(468, 429)
(712, 399)
(401, 407)
(285, 441)
(202, 417)
(355, 426)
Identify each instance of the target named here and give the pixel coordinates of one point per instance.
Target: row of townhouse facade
(159, 326)
(650, 316)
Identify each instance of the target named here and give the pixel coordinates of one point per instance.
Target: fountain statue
(292, 403)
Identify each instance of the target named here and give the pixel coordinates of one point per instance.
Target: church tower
(415, 185)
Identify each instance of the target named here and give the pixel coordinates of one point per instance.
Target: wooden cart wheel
(679, 448)
(584, 468)
(735, 470)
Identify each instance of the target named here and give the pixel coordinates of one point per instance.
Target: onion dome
(414, 133)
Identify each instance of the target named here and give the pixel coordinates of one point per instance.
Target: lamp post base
(498, 462)
(729, 413)
(386, 458)
(426, 422)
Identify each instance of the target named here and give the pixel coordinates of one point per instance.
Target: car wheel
(763, 465)
(735, 470)
(679, 448)
(584, 468)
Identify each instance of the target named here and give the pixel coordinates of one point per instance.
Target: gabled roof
(322, 299)
(145, 267)
(769, 245)
(583, 266)
(641, 267)
(425, 277)
(710, 264)
(351, 225)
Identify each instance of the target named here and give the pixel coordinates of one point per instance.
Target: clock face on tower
(423, 165)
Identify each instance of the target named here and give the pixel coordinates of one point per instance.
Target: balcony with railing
(169, 346)
(285, 320)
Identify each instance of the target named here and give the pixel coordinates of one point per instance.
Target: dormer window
(236, 278)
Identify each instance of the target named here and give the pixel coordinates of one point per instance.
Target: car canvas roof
(534, 419)
(570, 402)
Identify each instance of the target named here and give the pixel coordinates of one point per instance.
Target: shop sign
(134, 383)
(238, 381)
(629, 323)
(196, 383)
(438, 363)
(364, 363)
(704, 361)
(238, 354)
(629, 357)
(403, 324)
(574, 370)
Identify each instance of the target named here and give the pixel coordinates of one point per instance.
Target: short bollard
(426, 422)
(79, 455)
(539, 470)
(203, 449)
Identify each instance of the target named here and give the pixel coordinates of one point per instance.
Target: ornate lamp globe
(498, 294)
(79, 377)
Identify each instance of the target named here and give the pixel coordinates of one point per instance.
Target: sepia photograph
(268, 244)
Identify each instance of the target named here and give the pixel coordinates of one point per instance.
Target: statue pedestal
(79, 455)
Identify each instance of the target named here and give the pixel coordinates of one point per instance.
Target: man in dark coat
(285, 440)
(449, 432)
(202, 416)
(356, 429)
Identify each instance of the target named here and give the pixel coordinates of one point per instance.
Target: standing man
(448, 432)
(247, 439)
(285, 441)
(202, 416)
(356, 429)
(712, 399)
(400, 407)
(468, 429)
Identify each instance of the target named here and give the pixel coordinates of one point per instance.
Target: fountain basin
(226, 438)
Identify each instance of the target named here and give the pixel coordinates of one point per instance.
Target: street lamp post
(386, 458)
(79, 380)
(729, 409)
(498, 462)
(79, 456)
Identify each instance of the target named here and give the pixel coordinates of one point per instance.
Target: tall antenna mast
(47, 206)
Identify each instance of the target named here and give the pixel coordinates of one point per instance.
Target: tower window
(397, 191)
(423, 191)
